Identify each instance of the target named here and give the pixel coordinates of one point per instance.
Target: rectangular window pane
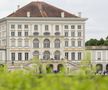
(79, 34)
(13, 56)
(79, 56)
(66, 34)
(46, 27)
(12, 26)
(98, 55)
(57, 27)
(79, 26)
(66, 27)
(26, 26)
(66, 55)
(72, 26)
(12, 33)
(35, 27)
(19, 56)
(19, 26)
(26, 56)
(26, 33)
(73, 56)
(19, 33)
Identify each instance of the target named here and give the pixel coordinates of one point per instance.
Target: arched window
(57, 55)
(46, 55)
(35, 43)
(36, 53)
(99, 67)
(57, 43)
(46, 43)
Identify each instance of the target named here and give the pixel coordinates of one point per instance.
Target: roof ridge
(40, 9)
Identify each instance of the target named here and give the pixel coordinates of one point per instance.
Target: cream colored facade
(17, 37)
(99, 56)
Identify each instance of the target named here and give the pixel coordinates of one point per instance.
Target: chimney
(18, 6)
(79, 14)
(62, 14)
(28, 14)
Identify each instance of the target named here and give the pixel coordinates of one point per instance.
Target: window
(46, 55)
(35, 43)
(57, 43)
(13, 56)
(73, 43)
(19, 42)
(79, 34)
(12, 26)
(57, 55)
(19, 26)
(19, 56)
(66, 34)
(36, 54)
(73, 34)
(26, 42)
(79, 26)
(79, 43)
(46, 43)
(13, 43)
(66, 55)
(73, 56)
(26, 34)
(66, 27)
(57, 27)
(36, 27)
(19, 34)
(26, 26)
(66, 43)
(98, 55)
(46, 28)
(79, 56)
(26, 56)
(72, 26)
(12, 33)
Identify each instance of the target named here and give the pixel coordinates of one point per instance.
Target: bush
(20, 80)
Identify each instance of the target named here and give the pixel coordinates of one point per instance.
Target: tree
(101, 42)
(91, 42)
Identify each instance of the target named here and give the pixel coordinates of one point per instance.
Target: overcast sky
(95, 10)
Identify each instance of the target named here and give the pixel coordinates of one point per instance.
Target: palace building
(42, 30)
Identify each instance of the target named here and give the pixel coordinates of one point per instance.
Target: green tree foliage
(95, 42)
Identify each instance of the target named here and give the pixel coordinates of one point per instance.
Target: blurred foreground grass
(20, 80)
